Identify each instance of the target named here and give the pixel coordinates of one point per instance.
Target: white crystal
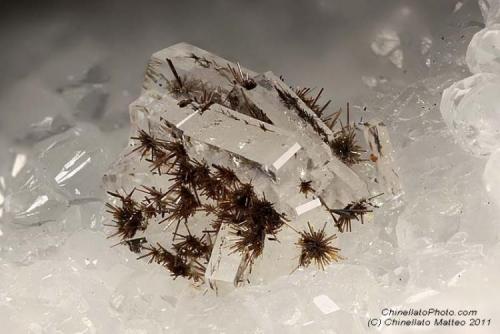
(425, 45)
(57, 172)
(224, 270)
(325, 304)
(31, 200)
(19, 163)
(470, 109)
(269, 149)
(458, 6)
(422, 223)
(308, 206)
(421, 296)
(370, 81)
(491, 177)
(25, 244)
(385, 42)
(451, 257)
(72, 157)
(483, 53)
(490, 10)
(397, 58)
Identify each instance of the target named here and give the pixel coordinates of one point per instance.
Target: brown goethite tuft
(192, 246)
(154, 202)
(177, 265)
(183, 204)
(147, 144)
(208, 96)
(344, 145)
(353, 211)
(227, 167)
(312, 101)
(242, 79)
(226, 176)
(128, 218)
(134, 245)
(255, 219)
(170, 155)
(316, 246)
(182, 87)
(305, 187)
(249, 240)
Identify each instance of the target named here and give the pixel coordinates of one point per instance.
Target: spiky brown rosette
(316, 246)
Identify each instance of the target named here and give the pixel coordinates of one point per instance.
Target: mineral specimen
(228, 169)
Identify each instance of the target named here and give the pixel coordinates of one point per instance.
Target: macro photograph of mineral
(250, 167)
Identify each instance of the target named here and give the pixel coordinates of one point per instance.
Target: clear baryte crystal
(225, 268)
(273, 143)
(208, 67)
(381, 153)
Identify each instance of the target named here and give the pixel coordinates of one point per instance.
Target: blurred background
(89, 56)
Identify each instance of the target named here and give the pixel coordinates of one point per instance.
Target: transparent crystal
(72, 159)
(31, 199)
(470, 109)
(385, 42)
(490, 10)
(491, 177)
(483, 53)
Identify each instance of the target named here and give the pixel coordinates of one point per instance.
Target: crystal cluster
(470, 106)
(230, 172)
